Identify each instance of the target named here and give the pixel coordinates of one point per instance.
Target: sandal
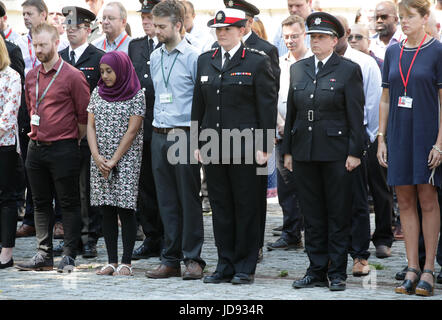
(120, 267)
(102, 272)
(425, 289)
(409, 286)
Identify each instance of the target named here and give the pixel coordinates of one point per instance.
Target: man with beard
(388, 33)
(57, 95)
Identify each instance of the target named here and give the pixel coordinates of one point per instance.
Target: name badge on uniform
(35, 120)
(166, 98)
(405, 102)
(204, 79)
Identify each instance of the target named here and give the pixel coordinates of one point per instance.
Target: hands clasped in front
(105, 166)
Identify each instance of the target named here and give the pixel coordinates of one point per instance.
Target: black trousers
(178, 187)
(148, 213)
(90, 216)
(8, 206)
(55, 168)
(288, 200)
(234, 192)
(382, 198)
(325, 198)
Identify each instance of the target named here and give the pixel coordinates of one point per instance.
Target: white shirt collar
(324, 61)
(79, 51)
(231, 52)
(247, 36)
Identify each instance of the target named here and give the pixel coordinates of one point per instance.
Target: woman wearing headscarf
(115, 137)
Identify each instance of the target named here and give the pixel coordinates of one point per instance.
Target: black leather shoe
(400, 276)
(89, 250)
(148, 249)
(58, 249)
(409, 286)
(337, 285)
(243, 278)
(425, 289)
(37, 263)
(8, 264)
(439, 277)
(281, 244)
(309, 282)
(67, 264)
(217, 277)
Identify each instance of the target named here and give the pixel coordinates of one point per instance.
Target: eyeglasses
(357, 37)
(292, 36)
(383, 16)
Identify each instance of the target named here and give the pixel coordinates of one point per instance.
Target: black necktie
(320, 66)
(226, 61)
(72, 61)
(151, 47)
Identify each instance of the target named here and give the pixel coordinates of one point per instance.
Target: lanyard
(121, 42)
(9, 33)
(30, 53)
(37, 100)
(166, 83)
(405, 82)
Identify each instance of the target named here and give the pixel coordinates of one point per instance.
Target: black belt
(167, 130)
(316, 115)
(39, 143)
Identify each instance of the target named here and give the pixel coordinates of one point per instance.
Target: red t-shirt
(64, 106)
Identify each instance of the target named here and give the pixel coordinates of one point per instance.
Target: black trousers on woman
(8, 207)
(128, 220)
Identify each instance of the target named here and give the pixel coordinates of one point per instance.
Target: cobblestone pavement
(269, 284)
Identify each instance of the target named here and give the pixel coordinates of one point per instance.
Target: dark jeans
(8, 208)
(55, 168)
(288, 200)
(110, 231)
(178, 187)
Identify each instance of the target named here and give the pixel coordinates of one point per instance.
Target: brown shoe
(25, 231)
(58, 231)
(398, 234)
(193, 271)
(360, 267)
(163, 272)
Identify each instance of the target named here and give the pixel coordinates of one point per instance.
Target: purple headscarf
(126, 85)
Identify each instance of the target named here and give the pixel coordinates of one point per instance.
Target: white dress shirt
(231, 52)
(79, 51)
(324, 61)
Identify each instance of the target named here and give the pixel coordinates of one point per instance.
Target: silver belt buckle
(310, 115)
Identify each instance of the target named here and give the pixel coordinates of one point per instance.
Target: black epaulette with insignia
(256, 51)
(139, 39)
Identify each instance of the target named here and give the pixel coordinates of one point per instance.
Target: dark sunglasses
(382, 16)
(357, 37)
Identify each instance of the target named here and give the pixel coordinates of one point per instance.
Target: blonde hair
(45, 27)
(259, 28)
(422, 6)
(4, 55)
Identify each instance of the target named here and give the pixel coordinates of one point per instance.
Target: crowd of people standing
(90, 118)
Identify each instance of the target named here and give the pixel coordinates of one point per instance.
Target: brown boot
(58, 231)
(25, 231)
(360, 267)
(163, 272)
(193, 271)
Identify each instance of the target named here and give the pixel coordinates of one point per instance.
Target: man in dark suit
(86, 58)
(323, 144)
(251, 40)
(235, 89)
(147, 213)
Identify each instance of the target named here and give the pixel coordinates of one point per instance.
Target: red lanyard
(9, 33)
(412, 62)
(121, 42)
(30, 53)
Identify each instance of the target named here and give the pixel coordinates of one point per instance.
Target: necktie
(72, 56)
(320, 66)
(151, 47)
(226, 61)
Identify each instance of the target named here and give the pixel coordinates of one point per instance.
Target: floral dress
(10, 97)
(111, 124)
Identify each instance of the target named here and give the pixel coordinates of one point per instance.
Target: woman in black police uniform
(324, 139)
(235, 89)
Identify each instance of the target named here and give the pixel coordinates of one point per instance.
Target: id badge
(405, 102)
(166, 98)
(35, 120)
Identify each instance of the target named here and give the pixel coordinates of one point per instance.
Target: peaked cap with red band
(245, 6)
(228, 17)
(323, 22)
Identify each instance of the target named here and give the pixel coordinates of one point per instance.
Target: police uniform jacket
(241, 96)
(325, 111)
(139, 53)
(88, 63)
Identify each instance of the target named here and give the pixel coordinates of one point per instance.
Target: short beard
(47, 57)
